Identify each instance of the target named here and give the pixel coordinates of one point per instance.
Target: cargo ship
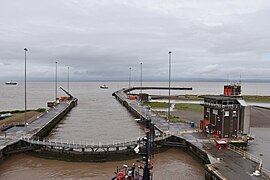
(11, 83)
(104, 87)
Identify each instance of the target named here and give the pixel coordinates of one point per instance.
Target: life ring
(120, 176)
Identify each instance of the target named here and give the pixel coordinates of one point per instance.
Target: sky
(100, 40)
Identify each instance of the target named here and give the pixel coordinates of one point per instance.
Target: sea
(100, 118)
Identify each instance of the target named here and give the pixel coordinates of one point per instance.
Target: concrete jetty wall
(73, 156)
(47, 128)
(17, 145)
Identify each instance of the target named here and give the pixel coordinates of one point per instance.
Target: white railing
(246, 154)
(85, 144)
(253, 158)
(266, 172)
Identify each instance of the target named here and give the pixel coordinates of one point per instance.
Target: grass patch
(40, 110)
(157, 104)
(22, 111)
(188, 97)
(189, 107)
(175, 119)
(256, 98)
(160, 112)
(19, 117)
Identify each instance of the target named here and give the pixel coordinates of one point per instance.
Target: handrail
(266, 172)
(246, 154)
(251, 157)
(68, 143)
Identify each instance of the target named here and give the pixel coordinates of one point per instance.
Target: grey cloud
(102, 39)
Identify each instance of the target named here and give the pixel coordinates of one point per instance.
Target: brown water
(260, 147)
(97, 118)
(172, 164)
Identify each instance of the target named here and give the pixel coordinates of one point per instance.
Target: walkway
(227, 163)
(14, 134)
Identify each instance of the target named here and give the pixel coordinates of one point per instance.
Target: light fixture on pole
(169, 105)
(25, 99)
(56, 81)
(68, 80)
(129, 79)
(140, 95)
(141, 79)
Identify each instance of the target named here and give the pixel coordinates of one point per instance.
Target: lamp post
(169, 105)
(25, 99)
(68, 80)
(129, 79)
(141, 79)
(56, 81)
(140, 96)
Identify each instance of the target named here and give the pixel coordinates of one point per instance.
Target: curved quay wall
(191, 148)
(46, 129)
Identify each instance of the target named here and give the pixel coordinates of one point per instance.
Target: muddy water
(172, 164)
(100, 118)
(260, 147)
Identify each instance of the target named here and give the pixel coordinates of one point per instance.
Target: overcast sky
(102, 39)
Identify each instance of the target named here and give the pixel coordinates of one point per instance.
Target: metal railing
(85, 144)
(253, 158)
(265, 172)
(245, 154)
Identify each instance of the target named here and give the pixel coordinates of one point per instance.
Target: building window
(234, 114)
(208, 110)
(215, 111)
(226, 113)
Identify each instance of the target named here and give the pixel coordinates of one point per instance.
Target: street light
(68, 80)
(56, 81)
(169, 106)
(25, 104)
(129, 79)
(140, 96)
(141, 79)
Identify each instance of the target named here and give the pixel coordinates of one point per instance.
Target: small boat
(104, 87)
(11, 83)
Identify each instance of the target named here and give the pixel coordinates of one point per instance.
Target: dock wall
(17, 146)
(72, 156)
(47, 128)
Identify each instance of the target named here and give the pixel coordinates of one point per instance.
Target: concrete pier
(10, 140)
(220, 164)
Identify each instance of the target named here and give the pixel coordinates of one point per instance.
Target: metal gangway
(85, 146)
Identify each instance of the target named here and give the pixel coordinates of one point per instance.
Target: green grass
(156, 104)
(189, 107)
(160, 112)
(22, 111)
(256, 98)
(175, 119)
(188, 97)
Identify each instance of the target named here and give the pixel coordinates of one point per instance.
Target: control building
(227, 115)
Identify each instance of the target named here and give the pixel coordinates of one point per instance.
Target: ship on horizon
(11, 83)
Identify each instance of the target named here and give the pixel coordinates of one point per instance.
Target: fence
(252, 158)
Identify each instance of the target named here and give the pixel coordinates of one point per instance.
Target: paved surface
(230, 164)
(15, 133)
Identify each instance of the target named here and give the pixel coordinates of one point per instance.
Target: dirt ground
(259, 117)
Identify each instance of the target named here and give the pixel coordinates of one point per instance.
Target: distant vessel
(11, 83)
(104, 87)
